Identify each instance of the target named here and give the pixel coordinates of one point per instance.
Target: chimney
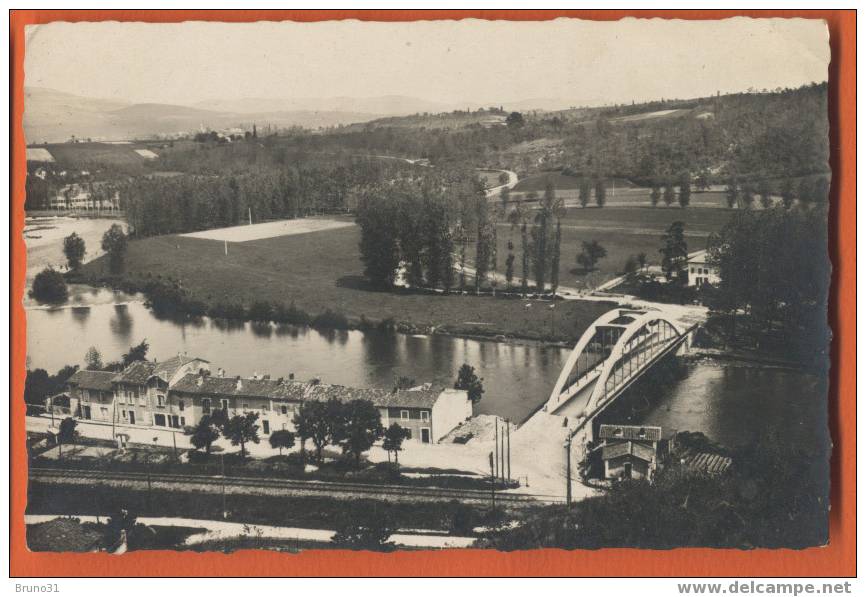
(255, 375)
(221, 372)
(200, 380)
(266, 376)
(240, 384)
(291, 376)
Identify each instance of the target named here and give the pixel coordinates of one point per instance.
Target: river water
(733, 403)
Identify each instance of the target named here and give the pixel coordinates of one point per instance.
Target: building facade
(178, 392)
(701, 271)
(629, 451)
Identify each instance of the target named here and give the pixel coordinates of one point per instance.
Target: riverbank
(320, 274)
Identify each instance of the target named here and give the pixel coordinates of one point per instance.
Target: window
(284, 409)
(425, 415)
(125, 415)
(404, 414)
(224, 404)
(103, 412)
(245, 406)
(408, 433)
(159, 420)
(692, 270)
(180, 405)
(160, 400)
(85, 396)
(205, 406)
(266, 427)
(183, 421)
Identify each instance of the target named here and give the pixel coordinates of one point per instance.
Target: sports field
(245, 233)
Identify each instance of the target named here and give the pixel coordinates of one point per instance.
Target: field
(622, 232)
(239, 234)
(322, 270)
(92, 156)
(562, 182)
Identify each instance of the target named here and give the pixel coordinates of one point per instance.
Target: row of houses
(85, 196)
(178, 392)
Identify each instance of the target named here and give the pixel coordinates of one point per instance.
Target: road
(220, 530)
(281, 487)
(493, 193)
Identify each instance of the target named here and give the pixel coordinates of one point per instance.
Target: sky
(583, 62)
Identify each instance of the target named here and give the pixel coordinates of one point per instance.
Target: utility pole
(502, 447)
(226, 246)
(223, 467)
(508, 440)
(496, 445)
(250, 212)
(568, 470)
(492, 486)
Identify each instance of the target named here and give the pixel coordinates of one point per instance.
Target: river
(733, 403)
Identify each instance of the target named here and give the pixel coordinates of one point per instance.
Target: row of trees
(354, 426)
(775, 273)
(188, 202)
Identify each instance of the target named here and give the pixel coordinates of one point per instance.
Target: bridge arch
(609, 354)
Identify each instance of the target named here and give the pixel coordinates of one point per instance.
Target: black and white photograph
(427, 285)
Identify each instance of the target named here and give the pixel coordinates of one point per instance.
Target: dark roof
(62, 534)
(633, 448)
(209, 385)
(93, 380)
(633, 432)
(140, 371)
(137, 372)
(411, 398)
(167, 368)
(290, 390)
(706, 462)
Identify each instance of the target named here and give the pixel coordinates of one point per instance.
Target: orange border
(838, 559)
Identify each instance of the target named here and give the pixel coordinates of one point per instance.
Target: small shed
(629, 451)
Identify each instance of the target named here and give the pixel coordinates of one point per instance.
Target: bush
(290, 314)
(227, 311)
(49, 287)
(330, 320)
(261, 311)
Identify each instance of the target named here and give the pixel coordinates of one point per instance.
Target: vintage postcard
(427, 285)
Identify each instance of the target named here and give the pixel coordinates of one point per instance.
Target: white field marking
(39, 154)
(247, 232)
(146, 153)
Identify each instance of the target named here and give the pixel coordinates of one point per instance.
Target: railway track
(295, 486)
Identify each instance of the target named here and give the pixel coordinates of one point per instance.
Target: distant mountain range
(54, 116)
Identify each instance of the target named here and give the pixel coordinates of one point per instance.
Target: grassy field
(322, 270)
(95, 155)
(623, 232)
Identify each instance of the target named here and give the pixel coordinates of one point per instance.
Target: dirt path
(216, 530)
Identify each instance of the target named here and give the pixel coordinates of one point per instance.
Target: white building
(701, 271)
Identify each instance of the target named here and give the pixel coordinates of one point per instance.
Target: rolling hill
(54, 116)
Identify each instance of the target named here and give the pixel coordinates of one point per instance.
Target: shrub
(49, 287)
(330, 320)
(290, 314)
(227, 311)
(260, 311)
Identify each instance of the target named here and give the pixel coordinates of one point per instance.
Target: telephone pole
(492, 485)
(568, 470)
(496, 445)
(502, 448)
(508, 440)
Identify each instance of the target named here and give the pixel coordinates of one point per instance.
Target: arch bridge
(610, 356)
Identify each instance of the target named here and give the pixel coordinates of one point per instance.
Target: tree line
(774, 277)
